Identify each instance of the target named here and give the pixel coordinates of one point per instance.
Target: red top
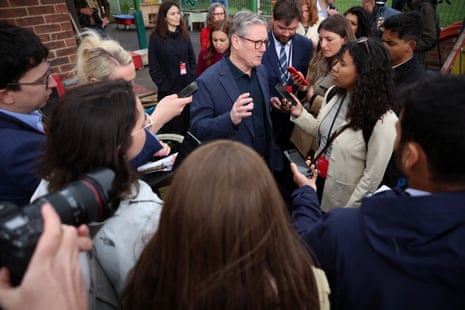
(202, 64)
(204, 38)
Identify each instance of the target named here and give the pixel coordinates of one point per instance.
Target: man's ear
(6, 97)
(411, 155)
(234, 41)
(412, 44)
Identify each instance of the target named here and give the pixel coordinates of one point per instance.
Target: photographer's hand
(53, 279)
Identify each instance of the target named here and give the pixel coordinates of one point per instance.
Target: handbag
(322, 163)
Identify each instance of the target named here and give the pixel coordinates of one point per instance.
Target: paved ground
(129, 40)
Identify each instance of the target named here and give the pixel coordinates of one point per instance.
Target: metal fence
(448, 13)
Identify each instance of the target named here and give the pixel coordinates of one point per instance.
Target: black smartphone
(294, 156)
(282, 91)
(188, 90)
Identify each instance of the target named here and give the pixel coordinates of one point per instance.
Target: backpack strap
(367, 133)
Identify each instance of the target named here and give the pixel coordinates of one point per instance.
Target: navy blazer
(21, 147)
(394, 252)
(301, 53)
(211, 107)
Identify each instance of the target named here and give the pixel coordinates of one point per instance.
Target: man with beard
(402, 249)
(286, 48)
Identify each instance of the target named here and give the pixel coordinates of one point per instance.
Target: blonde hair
(97, 57)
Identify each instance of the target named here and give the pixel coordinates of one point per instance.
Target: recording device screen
(294, 156)
(282, 91)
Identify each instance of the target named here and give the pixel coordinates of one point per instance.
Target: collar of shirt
(416, 192)
(33, 119)
(235, 71)
(277, 46)
(396, 66)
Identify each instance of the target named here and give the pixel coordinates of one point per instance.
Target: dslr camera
(89, 199)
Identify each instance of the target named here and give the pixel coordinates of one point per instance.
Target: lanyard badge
(182, 68)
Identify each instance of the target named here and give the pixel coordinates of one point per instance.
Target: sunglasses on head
(363, 41)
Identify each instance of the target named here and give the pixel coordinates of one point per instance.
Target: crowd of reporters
(240, 227)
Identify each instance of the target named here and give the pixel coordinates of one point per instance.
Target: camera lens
(87, 200)
(84, 201)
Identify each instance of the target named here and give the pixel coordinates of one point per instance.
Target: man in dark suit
(402, 249)
(400, 37)
(25, 86)
(298, 51)
(232, 101)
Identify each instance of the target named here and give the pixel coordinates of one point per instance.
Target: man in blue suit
(298, 51)
(25, 86)
(402, 249)
(232, 101)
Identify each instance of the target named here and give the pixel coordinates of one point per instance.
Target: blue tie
(283, 63)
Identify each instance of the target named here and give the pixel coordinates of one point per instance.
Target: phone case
(294, 156)
(284, 93)
(293, 70)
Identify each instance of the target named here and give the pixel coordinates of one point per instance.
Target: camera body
(87, 200)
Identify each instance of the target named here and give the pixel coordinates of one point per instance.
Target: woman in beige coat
(359, 113)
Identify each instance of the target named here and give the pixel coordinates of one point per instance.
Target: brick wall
(50, 20)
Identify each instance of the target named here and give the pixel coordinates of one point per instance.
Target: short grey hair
(242, 20)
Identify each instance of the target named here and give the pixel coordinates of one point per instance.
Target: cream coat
(353, 171)
(312, 32)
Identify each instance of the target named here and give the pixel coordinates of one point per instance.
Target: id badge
(288, 88)
(322, 166)
(182, 68)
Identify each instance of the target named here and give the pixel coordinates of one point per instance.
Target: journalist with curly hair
(356, 127)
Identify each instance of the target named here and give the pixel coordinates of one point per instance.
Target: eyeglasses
(258, 43)
(363, 41)
(147, 124)
(42, 81)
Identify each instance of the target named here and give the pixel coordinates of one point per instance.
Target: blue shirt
(33, 119)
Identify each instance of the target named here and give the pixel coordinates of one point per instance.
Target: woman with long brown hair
(220, 42)
(171, 60)
(224, 241)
